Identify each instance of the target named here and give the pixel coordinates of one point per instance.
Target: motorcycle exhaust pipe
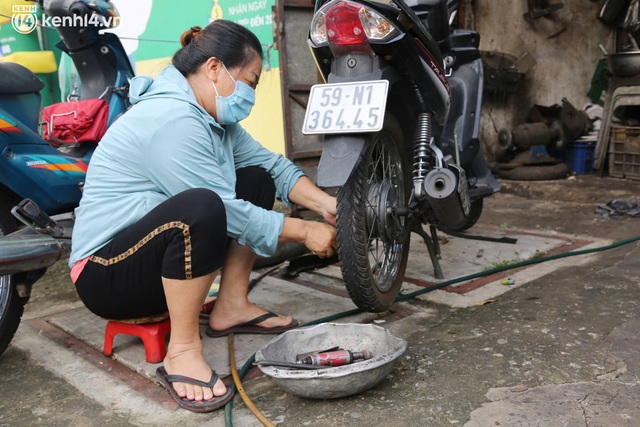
(27, 252)
(446, 192)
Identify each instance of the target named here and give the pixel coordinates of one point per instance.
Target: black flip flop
(194, 405)
(251, 327)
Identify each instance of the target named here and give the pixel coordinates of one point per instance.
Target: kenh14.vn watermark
(25, 19)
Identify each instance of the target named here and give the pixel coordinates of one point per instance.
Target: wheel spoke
(373, 249)
(383, 254)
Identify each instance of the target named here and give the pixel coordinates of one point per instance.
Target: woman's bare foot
(226, 315)
(187, 360)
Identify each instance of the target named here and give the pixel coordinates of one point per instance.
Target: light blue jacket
(164, 144)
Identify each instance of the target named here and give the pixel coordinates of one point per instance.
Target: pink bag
(73, 122)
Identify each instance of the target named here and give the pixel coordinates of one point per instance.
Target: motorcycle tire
(11, 310)
(373, 241)
(11, 304)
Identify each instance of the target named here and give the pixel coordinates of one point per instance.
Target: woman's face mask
(237, 106)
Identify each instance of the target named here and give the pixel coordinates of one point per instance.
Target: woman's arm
(306, 194)
(319, 237)
(249, 152)
(293, 187)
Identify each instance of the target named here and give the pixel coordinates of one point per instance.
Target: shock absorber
(421, 152)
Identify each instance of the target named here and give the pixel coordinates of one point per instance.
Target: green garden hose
(229, 406)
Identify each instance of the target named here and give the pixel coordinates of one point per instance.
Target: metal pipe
(27, 252)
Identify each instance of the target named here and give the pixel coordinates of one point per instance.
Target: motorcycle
(41, 183)
(399, 115)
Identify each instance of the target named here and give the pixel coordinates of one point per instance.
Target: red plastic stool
(152, 331)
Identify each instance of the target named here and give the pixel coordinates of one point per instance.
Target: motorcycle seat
(20, 94)
(17, 79)
(435, 15)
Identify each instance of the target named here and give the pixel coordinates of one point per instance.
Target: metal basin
(339, 381)
(624, 63)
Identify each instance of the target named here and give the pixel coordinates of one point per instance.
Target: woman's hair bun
(189, 35)
(228, 41)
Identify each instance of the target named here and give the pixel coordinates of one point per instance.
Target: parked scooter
(400, 116)
(38, 179)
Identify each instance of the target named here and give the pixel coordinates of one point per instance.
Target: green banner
(168, 19)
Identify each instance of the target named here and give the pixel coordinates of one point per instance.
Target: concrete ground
(556, 348)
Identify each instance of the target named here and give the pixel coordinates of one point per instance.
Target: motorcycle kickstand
(432, 246)
(434, 238)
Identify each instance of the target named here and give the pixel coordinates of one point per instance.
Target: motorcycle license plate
(346, 107)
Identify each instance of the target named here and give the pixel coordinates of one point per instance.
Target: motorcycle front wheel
(11, 309)
(11, 304)
(372, 234)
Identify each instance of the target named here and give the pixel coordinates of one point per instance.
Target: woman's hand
(318, 237)
(321, 239)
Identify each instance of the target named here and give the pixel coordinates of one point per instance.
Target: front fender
(340, 155)
(341, 152)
